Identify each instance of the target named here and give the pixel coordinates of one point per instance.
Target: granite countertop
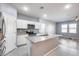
(21, 34)
(35, 39)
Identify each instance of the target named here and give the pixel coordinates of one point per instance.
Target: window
(64, 28)
(72, 28)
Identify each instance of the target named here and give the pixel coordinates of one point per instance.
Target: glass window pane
(72, 31)
(64, 28)
(72, 28)
(64, 25)
(72, 25)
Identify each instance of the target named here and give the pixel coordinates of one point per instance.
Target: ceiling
(55, 11)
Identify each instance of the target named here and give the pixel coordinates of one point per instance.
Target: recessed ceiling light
(45, 15)
(67, 6)
(25, 8)
(41, 7)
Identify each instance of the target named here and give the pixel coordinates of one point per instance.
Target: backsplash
(23, 31)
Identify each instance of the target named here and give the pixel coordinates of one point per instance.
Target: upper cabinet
(42, 28)
(37, 25)
(23, 24)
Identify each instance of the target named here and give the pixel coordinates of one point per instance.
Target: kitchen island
(41, 45)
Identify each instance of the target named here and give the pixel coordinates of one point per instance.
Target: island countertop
(41, 45)
(35, 39)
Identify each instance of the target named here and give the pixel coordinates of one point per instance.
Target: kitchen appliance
(31, 30)
(2, 35)
(31, 26)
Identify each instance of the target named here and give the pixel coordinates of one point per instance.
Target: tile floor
(66, 47)
(20, 51)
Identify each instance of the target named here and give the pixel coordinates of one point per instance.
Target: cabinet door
(24, 24)
(21, 39)
(37, 26)
(21, 24)
(42, 28)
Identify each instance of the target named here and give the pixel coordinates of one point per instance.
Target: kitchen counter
(21, 39)
(22, 34)
(35, 39)
(41, 45)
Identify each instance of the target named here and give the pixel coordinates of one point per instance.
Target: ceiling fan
(76, 18)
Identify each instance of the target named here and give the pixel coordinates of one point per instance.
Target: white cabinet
(21, 40)
(21, 24)
(37, 25)
(50, 28)
(42, 28)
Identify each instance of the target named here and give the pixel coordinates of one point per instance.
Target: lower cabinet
(21, 40)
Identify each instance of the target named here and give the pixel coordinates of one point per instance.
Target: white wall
(0, 18)
(0, 7)
(49, 26)
(0, 23)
